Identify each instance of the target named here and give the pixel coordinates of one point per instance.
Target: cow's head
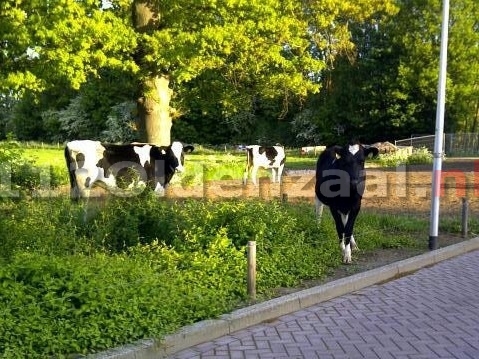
(178, 152)
(172, 157)
(168, 160)
(350, 159)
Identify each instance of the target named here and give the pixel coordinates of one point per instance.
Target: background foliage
(373, 69)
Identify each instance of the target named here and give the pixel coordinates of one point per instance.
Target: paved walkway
(433, 313)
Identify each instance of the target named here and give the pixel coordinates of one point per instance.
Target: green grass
(46, 156)
(200, 165)
(206, 164)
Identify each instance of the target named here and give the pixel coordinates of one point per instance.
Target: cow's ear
(188, 148)
(338, 151)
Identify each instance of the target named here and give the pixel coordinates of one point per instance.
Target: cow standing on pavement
(120, 168)
(272, 157)
(340, 184)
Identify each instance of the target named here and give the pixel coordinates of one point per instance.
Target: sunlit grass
(209, 165)
(46, 156)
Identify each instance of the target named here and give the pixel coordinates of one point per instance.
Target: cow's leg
(346, 247)
(348, 228)
(280, 172)
(340, 221)
(254, 172)
(245, 174)
(159, 189)
(83, 183)
(354, 245)
(273, 175)
(319, 206)
(84, 195)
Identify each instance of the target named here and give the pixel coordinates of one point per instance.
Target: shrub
(64, 305)
(51, 226)
(418, 156)
(80, 278)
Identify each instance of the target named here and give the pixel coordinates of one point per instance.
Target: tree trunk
(154, 120)
(475, 119)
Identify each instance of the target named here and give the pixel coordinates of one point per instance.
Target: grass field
(46, 156)
(213, 165)
(54, 157)
(206, 164)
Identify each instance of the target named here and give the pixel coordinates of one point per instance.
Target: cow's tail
(74, 190)
(249, 160)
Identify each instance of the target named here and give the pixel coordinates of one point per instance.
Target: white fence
(454, 144)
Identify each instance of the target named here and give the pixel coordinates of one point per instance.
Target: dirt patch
(405, 188)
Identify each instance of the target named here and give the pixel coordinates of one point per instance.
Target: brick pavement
(433, 313)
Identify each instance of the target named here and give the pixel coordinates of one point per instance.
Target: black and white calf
(272, 157)
(340, 184)
(119, 167)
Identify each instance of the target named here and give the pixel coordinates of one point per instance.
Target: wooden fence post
(251, 280)
(450, 188)
(247, 190)
(391, 189)
(285, 187)
(264, 188)
(465, 217)
(207, 190)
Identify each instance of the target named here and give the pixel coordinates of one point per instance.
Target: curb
(208, 330)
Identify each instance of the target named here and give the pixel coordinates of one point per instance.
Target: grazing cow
(117, 167)
(340, 184)
(308, 149)
(264, 156)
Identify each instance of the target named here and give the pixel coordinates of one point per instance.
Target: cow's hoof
(354, 245)
(347, 254)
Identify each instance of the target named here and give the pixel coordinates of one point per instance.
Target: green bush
(76, 304)
(84, 277)
(418, 156)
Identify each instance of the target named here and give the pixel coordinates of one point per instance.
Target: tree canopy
(234, 66)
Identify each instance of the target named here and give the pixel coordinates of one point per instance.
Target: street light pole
(439, 134)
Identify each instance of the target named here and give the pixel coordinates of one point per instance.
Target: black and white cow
(120, 167)
(340, 184)
(257, 156)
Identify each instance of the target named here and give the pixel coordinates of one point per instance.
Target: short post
(251, 280)
(391, 190)
(207, 190)
(285, 185)
(465, 217)
(247, 190)
(450, 187)
(264, 188)
(169, 192)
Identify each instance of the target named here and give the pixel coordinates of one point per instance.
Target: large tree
(388, 89)
(245, 48)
